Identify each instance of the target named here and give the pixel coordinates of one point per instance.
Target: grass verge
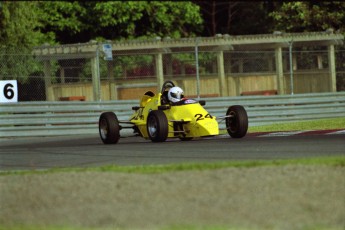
(177, 227)
(321, 124)
(152, 169)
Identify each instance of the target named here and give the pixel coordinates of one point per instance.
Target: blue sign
(108, 51)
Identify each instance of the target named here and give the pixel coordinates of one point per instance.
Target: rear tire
(237, 125)
(157, 126)
(109, 128)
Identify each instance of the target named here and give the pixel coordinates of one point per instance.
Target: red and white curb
(298, 133)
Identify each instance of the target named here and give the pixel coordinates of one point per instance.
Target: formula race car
(169, 115)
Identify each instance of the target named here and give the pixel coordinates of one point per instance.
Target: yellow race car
(169, 115)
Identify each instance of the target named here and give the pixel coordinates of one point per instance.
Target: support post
(223, 86)
(197, 68)
(319, 61)
(240, 65)
(169, 65)
(279, 70)
(113, 91)
(96, 81)
(159, 70)
(62, 74)
(110, 79)
(48, 81)
(332, 70)
(291, 68)
(110, 70)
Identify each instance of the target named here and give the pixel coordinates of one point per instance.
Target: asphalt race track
(88, 150)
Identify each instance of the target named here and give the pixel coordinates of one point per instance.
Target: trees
(236, 17)
(309, 16)
(18, 33)
(62, 19)
(82, 21)
(18, 23)
(32, 23)
(148, 19)
(246, 17)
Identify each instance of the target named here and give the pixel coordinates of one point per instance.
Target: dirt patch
(288, 197)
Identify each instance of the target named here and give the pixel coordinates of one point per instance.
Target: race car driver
(176, 97)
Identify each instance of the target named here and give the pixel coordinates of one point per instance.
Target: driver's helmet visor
(177, 95)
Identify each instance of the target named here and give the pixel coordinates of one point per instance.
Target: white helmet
(175, 94)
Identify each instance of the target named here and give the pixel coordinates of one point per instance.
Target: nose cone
(199, 122)
(206, 127)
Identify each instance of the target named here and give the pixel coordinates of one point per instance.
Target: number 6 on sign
(8, 91)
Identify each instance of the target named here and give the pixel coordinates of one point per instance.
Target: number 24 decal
(199, 116)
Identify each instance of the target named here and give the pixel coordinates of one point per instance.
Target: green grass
(168, 227)
(178, 227)
(321, 124)
(338, 161)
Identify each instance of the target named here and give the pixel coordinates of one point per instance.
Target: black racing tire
(186, 138)
(157, 126)
(109, 128)
(237, 125)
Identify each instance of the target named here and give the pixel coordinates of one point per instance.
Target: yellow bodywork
(185, 121)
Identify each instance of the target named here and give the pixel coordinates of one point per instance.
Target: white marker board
(8, 91)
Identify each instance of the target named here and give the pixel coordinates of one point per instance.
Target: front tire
(157, 126)
(109, 128)
(186, 138)
(237, 124)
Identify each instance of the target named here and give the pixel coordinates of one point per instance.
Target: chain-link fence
(128, 75)
(340, 68)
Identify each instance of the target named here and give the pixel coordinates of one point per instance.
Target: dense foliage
(82, 21)
(25, 24)
(310, 16)
(18, 24)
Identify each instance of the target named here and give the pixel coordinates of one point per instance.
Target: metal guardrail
(72, 118)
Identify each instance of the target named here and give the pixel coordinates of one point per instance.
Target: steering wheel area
(167, 85)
